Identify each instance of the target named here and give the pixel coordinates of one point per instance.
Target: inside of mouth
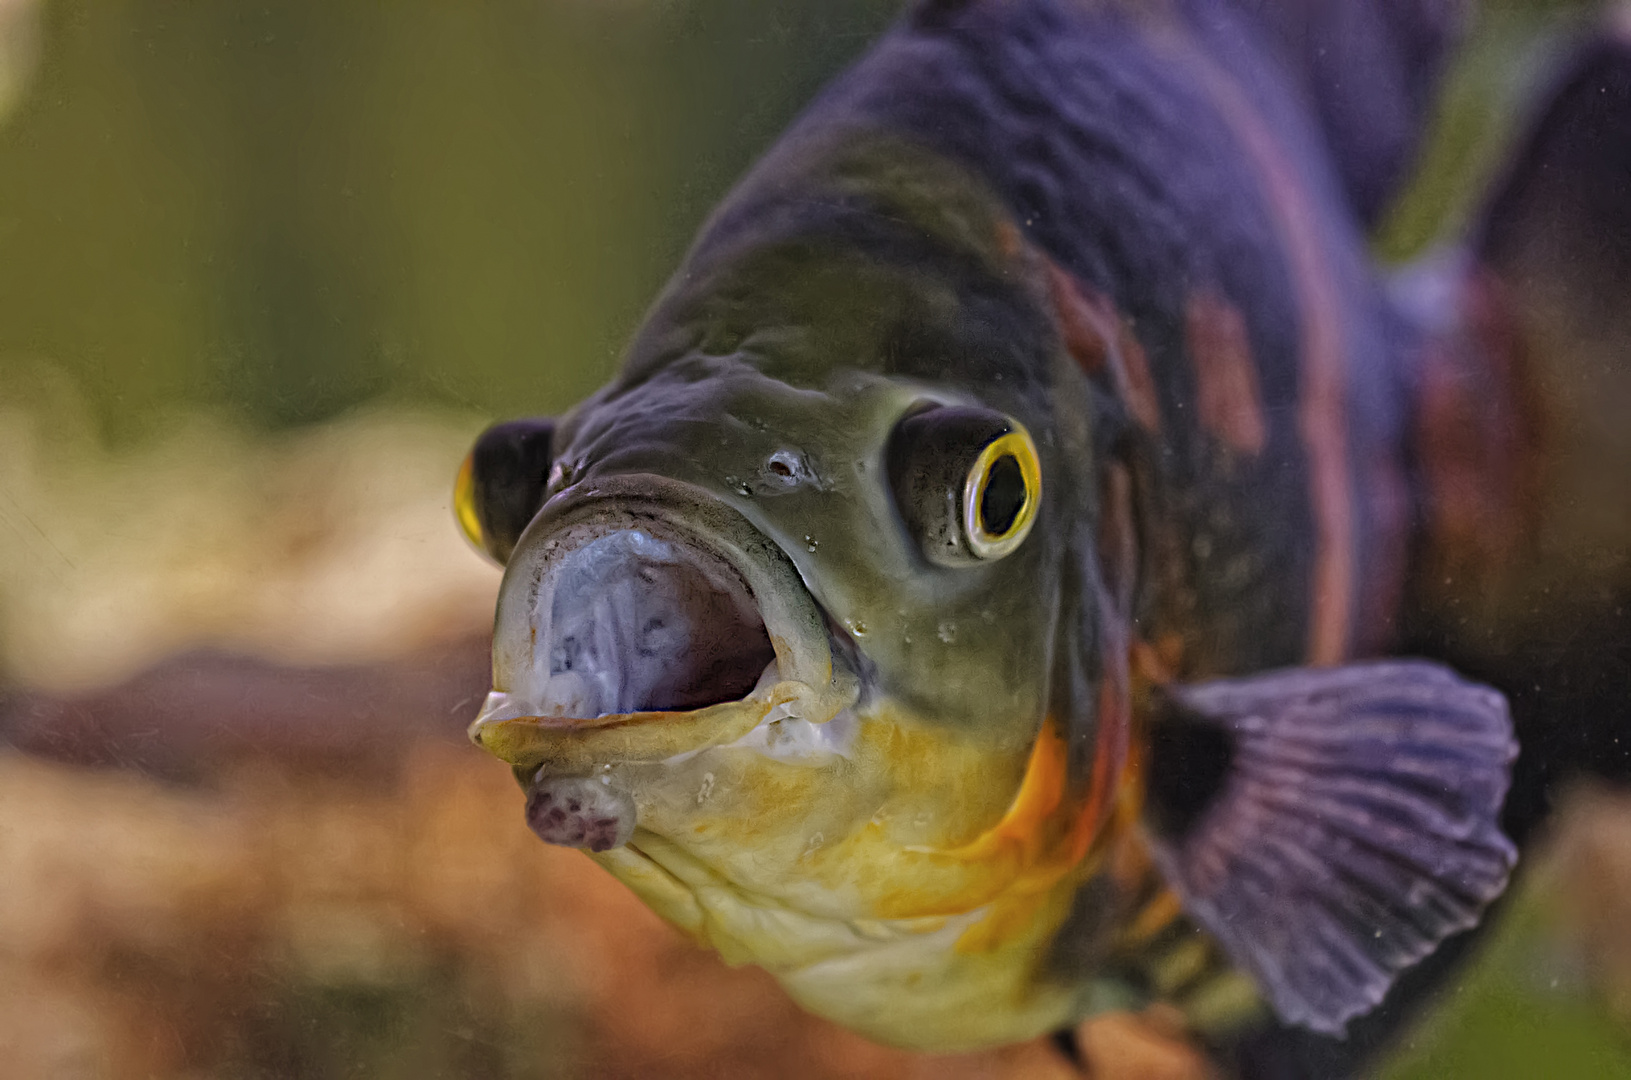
(634, 622)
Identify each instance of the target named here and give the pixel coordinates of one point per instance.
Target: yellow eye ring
(1001, 494)
(464, 505)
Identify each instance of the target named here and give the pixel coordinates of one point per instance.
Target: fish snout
(644, 621)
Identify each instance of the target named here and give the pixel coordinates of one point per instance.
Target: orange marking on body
(1157, 662)
(1129, 863)
(1039, 826)
(1143, 402)
(1155, 917)
(1321, 416)
(1042, 835)
(1010, 241)
(1227, 397)
(1477, 424)
(1025, 837)
(1102, 343)
(1109, 809)
(1032, 858)
(1118, 535)
(1054, 840)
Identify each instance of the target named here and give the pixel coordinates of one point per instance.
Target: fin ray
(1357, 829)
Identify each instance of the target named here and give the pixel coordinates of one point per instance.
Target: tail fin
(1558, 230)
(1556, 241)
(1524, 442)
(1553, 255)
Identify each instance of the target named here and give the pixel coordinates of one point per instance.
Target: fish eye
(500, 485)
(1000, 495)
(966, 481)
(464, 503)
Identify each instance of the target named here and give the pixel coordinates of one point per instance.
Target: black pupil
(1004, 496)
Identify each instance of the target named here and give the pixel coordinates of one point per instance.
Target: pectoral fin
(1343, 822)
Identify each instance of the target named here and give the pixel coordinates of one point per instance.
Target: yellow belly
(908, 889)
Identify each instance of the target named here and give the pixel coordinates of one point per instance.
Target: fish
(1033, 562)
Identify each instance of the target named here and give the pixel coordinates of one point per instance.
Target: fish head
(783, 642)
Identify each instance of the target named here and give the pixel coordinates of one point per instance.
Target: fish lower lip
(559, 744)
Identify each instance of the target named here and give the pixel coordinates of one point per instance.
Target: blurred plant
(1510, 49)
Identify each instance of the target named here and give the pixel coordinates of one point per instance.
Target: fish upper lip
(811, 685)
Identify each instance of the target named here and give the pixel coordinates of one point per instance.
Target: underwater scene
(1016, 539)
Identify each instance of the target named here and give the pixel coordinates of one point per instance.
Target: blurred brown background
(264, 271)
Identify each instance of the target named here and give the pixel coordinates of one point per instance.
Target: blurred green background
(285, 210)
(278, 214)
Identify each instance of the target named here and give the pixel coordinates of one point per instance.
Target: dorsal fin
(1370, 73)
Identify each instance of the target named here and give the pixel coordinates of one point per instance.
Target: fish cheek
(750, 817)
(946, 791)
(859, 835)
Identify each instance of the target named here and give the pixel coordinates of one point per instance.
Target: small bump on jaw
(580, 812)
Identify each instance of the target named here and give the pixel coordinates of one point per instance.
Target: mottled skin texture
(1123, 226)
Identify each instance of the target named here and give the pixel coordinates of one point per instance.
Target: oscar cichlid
(982, 599)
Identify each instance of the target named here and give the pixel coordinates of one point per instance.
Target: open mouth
(646, 620)
(639, 623)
